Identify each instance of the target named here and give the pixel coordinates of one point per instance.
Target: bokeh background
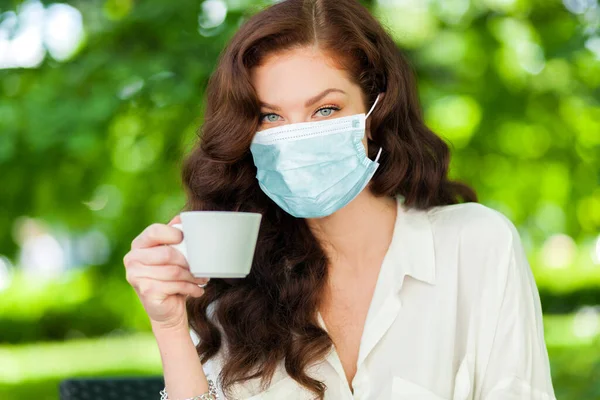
(101, 99)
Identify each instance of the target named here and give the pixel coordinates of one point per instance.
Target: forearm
(183, 373)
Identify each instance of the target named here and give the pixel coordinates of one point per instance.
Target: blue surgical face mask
(312, 169)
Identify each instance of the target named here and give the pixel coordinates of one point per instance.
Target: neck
(360, 230)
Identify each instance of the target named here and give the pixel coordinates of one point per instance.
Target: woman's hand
(160, 275)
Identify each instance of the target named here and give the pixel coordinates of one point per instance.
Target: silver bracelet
(210, 395)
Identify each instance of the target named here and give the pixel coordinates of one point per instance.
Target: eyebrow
(310, 101)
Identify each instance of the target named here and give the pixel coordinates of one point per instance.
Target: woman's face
(303, 85)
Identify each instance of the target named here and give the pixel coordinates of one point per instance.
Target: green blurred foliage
(509, 84)
(94, 142)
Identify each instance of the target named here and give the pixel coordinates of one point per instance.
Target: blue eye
(326, 111)
(269, 117)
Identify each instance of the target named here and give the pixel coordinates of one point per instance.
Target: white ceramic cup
(218, 244)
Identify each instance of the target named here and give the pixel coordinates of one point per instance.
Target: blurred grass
(23, 363)
(35, 370)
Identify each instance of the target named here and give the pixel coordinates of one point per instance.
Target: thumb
(176, 220)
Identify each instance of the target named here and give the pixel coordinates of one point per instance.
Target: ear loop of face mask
(367, 116)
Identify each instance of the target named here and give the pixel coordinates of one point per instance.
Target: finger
(184, 288)
(155, 235)
(158, 272)
(157, 255)
(176, 220)
(152, 287)
(202, 281)
(181, 287)
(164, 273)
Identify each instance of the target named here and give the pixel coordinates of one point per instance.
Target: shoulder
(473, 224)
(474, 240)
(474, 249)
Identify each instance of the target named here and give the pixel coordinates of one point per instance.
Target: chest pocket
(403, 389)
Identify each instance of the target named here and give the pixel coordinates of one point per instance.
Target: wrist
(170, 327)
(173, 340)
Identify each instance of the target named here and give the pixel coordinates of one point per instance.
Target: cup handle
(181, 247)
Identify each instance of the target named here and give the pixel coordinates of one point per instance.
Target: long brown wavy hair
(271, 315)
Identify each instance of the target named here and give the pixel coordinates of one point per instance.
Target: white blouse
(455, 315)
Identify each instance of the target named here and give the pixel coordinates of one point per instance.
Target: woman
(370, 280)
